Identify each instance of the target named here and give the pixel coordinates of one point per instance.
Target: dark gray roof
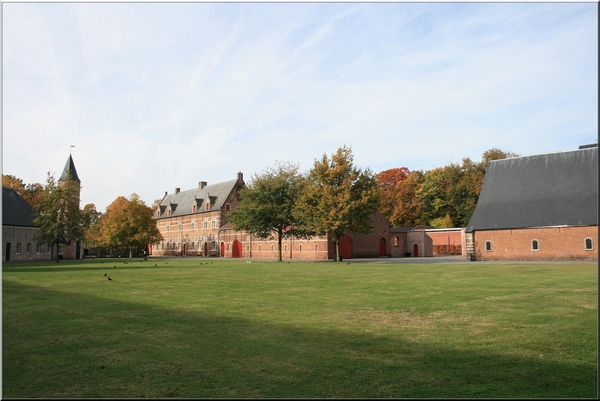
(15, 210)
(69, 168)
(182, 202)
(555, 189)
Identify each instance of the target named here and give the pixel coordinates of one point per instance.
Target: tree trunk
(279, 241)
(130, 252)
(338, 257)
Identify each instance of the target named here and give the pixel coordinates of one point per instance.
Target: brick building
(19, 232)
(542, 207)
(194, 223)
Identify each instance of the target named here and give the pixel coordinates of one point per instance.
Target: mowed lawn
(210, 328)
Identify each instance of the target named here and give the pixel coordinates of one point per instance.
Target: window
(396, 241)
(285, 248)
(488, 246)
(38, 249)
(589, 244)
(260, 248)
(535, 245)
(272, 248)
(194, 209)
(169, 212)
(207, 205)
(168, 227)
(213, 223)
(179, 225)
(228, 246)
(205, 223)
(18, 247)
(300, 247)
(193, 224)
(227, 207)
(317, 248)
(158, 213)
(28, 249)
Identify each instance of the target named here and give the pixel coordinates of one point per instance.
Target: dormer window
(194, 209)
(207, 206)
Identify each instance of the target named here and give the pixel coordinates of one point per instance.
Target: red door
(382, 248)
(206, 249)
(222, 249)
(236, 251)
(415, 250)
(345, 247)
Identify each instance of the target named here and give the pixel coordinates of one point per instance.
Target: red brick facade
(553, 243)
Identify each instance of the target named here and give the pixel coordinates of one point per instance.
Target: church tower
(72, 249)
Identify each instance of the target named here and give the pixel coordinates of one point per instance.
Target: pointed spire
(69, 169)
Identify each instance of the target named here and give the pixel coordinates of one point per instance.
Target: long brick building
(195, 223)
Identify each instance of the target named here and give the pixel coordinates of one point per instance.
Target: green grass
(268, 329)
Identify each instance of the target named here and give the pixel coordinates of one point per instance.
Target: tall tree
(90, 222)
(58, 212)
(128, 223)
(267, 204)
(338, 198)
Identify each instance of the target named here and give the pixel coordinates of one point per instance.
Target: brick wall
(555, 243)
(23, 245)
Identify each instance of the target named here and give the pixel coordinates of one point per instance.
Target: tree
(128, 223)
(32, 193)
(338, 198)
(266, 207)
(58, 212)
(91, 226)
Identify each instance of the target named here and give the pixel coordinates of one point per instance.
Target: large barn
(541, 207)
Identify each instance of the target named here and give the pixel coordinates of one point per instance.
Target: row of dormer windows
(207, 207)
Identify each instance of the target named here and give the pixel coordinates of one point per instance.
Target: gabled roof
(555, 189)
(16, 211)
(183, 201)
(69, 168)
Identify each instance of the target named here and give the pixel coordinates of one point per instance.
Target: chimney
(240, 176)
(202, 184)
(177, 190)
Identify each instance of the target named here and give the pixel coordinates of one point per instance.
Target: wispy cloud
(160, 95)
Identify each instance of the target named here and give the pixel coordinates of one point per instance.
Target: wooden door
(415, 250)
(382, 248)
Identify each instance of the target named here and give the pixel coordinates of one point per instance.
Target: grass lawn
(266, 329)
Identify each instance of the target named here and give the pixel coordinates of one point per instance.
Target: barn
(541, 207)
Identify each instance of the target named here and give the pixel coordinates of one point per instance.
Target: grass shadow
(69, 345)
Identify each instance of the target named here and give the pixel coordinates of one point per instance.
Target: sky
(158, 96)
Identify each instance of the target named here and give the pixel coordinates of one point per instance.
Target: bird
(115, 266)
(348, 263)
(109, 279)
(155, 265)
(105, 274)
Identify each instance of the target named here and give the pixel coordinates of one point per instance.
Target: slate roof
(555, 189)
(69, 167)
(182, 203)
(16, 211)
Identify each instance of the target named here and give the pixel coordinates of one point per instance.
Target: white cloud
(157, 96)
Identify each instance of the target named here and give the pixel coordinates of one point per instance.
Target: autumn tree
(267, 204)
(32, 193)
(58, 213)
(91, 226)
(338, 198)
(128, 223)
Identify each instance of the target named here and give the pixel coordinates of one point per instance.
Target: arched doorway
(222, 249)
(345, 247)
(382, 248)
(206, 249)
(236, 251)
(415, 250)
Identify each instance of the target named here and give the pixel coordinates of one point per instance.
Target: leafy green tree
(128, 223)
(338, 198)
(266, 207)
(58, 212)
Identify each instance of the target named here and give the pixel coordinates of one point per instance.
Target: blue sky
(159, 95)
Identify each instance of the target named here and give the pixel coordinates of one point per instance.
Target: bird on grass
(105, 274)
(109, 279)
